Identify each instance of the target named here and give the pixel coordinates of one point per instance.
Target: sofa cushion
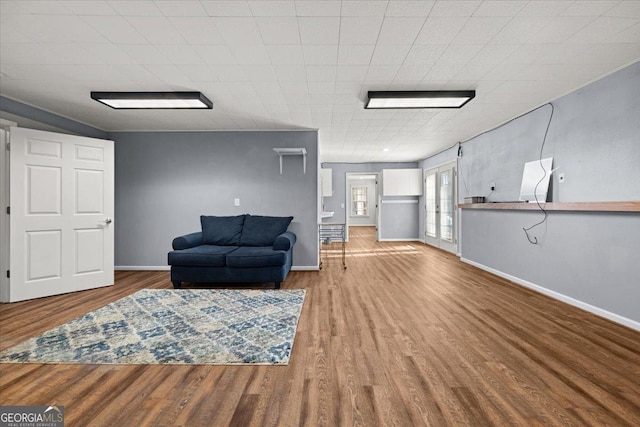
(201, 256)
(263, 230)
(256, 257)
(221, 230)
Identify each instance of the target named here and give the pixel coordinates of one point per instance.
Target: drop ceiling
(287, 65)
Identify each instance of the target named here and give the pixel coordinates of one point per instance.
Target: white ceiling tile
(459, 53)
(355, 55)
(528, 53)
(520, 29)
(499, 8)
(260, 73)
(409, 8)
(454, 8)
(318, 8)
(630, 35)
(412, 72)
(321, 73)
(364, 8)
(180, 54)
(8, 7)
(169, 74)
(588, 8)
(248, 55)
(544, 8)
(601, 29)
(239, 31)
(144, 54)
(400, 30)
(349, 87)
(198, 73)
(494, 54)
(17, 28)
(319, 31)
(381, 72)
(626, 9)
(389, 54)
(440, 30)
(285, 54)
(227, 8)
(424, 54)
(155, 29)
(229, 73)
(320, 55)
(480, 30)
(267, 87)
(198, 30)
(44, 7)
(88, 7)
(559, 29)
(358, 30)
(215, 54)
(181, 8)
(116, 29)
(280, 30)
(135, 8)
(290, 73)
(351, 73)
(273, 8)
(321, 87)
(102, 53)
(58, 28)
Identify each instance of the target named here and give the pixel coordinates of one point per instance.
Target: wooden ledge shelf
(633, 206)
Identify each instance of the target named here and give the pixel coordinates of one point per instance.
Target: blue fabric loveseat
(234, 249)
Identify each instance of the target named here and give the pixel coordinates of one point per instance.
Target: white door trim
(4, 217)
(347, 201)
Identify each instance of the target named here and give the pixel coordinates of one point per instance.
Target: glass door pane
(446, 205)
(431, 205)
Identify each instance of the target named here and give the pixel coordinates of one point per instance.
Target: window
(359, 202)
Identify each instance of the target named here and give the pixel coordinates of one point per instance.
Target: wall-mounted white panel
(89, 250)
(89, 191)
(326, 179)
(44, 195)
(402, 182)
(43, 254)
(38, 147)
(88, 153)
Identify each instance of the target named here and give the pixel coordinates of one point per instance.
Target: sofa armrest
(284, 242)
(187, 241)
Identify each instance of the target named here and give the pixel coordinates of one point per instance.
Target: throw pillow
(221, 230)
(263, 230)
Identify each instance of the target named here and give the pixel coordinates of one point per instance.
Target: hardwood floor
(407, 335)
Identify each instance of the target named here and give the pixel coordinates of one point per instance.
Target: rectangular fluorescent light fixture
(153, 100)
(419, 99)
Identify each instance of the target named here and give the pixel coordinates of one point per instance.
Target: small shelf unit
(293, 152)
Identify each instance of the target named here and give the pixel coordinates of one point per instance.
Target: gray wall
(166, 180)
(397, 223)
(594, 139)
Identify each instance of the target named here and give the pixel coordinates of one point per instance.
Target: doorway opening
(362, 213)
(441, 207)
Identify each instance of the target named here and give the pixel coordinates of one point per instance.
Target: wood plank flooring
(406, 336)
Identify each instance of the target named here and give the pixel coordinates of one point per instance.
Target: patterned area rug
(185, 326)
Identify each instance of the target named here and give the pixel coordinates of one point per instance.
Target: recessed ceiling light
(386, 149)
(153, 100)
(419, 99)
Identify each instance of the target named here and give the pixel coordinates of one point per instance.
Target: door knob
(107, 221)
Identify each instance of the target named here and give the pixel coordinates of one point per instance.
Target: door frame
(455, 246)
(347, 201)
(4, 203)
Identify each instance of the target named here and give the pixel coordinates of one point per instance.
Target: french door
(61, 190)
(441, 207)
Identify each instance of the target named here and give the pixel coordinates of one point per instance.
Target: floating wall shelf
(293, 152)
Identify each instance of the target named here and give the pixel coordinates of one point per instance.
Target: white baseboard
(142, 267)
(167, 268)
(399, 240)
(305, 268)
(560, 297)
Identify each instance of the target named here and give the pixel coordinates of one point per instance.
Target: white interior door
(441, 207)
(62, 205)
